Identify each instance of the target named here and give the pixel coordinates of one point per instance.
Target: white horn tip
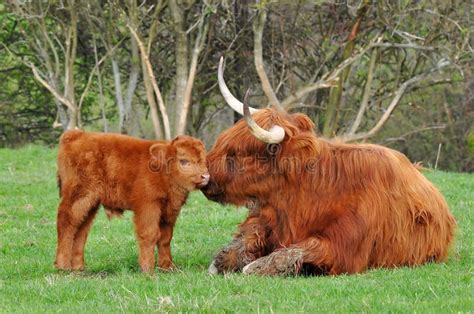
(279, 133)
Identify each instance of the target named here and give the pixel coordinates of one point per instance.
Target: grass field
(112, 282)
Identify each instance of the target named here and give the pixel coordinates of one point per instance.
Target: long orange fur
(348, 207)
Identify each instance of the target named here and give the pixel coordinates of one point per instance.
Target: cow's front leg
(344, 249)
(232, 257)
(247, 245)
(289, 261)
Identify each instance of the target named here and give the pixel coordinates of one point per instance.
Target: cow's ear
(303, 123)
(305, 146)
(158, 156)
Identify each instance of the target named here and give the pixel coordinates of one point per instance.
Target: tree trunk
(70, 58)
(181, 61)
(99, 83)
(335, 95)
(199, 41)
(118, 93)
(152, 80)
(132, 109)
(366, 96)
(151, 102)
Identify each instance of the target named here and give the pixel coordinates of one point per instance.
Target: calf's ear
(158, 156)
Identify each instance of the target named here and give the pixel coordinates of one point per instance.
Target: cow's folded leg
(289, 261)
(247, 246)
(231, 258)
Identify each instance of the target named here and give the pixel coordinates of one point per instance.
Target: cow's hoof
(285, 262)
(212, 270)
(247, 270)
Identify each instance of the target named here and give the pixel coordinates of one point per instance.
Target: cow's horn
(275, 135)
(233, 102)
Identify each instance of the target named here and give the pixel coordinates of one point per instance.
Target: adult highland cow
(318, 205)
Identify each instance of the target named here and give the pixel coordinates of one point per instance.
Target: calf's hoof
(62, 267)
(284, 262)
(62, 264)
(77, 265)
(147, 269)
(167, 267)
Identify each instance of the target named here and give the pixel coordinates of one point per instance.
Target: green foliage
(302, 41)
(112, 283)
(470, 141)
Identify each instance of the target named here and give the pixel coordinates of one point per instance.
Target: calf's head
(184, 159)
(262, 153)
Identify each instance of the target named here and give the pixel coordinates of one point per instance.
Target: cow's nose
(205, 177)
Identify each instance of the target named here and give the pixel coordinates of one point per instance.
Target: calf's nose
(205, 176)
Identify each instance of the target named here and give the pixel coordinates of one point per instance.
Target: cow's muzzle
(213, 193)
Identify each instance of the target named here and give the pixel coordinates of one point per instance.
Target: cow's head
(260, 154)
(184, 159)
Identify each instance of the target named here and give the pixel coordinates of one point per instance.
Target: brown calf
(151, 178)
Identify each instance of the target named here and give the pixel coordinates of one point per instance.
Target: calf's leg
(70, 217)
(165, 261)
(80, 240)
(147, 228)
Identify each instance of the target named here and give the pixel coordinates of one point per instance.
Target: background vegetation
(112, 281)
(398, 73)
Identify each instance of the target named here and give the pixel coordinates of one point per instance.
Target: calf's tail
(59, 185)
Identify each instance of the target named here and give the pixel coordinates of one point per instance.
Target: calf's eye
(184, 162)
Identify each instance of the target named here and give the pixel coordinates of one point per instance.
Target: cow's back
(408, 219)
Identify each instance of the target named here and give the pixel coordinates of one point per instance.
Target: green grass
(112, 282)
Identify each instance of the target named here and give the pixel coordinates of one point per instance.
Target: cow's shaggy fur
(344, 207)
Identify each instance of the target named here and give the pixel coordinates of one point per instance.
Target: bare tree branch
(161, 104)
(329, 79)
(94, 69)
(395, 101)
(367, 89)
(408, 46)
(402, 137)
(55, 93)
(203, 28)
(258, 34)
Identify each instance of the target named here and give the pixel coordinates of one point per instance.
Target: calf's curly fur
(151, 178)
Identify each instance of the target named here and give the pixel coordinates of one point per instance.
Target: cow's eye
(184, 162)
